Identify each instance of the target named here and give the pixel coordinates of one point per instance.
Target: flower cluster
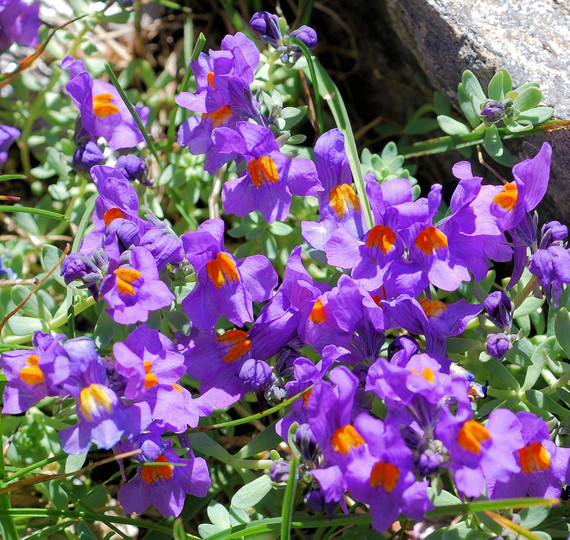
(386, 413)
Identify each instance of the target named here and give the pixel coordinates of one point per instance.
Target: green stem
(288, 506)
(7, 525)
(247, 419)
(58, 321)
(525, 292)
(250, 463)
(134, 114)
(172, 122)
(318, 106)
(453, 142)
(30, 468)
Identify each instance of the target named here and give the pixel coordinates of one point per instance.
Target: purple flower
(225, 285)
(133, 290)
(543, 465)
(217, 361)
(103, 419)
(7, 136)
(19, 22)
(270, 179)
(152, 370)
(383, 477)
(480, 452)
(87, 155)
(498, 345)
(223, 97)
(34, 375)
(103, 112)
(515, 199)
(163, 485)
(267, 26)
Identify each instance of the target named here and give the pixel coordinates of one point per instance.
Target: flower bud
(499, 309)
(553, 231)
(255, 374)
(87, 155)
(267, 26)
(133, 168)
(280, 473)
(498, 345)
(307, 35)
(306, 443)
(492, 111)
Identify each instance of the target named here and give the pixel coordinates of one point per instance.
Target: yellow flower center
(343, 197)
(31, 373)
(125, 278)
(93, 399)
(345, 438)
(508, 197)
(471, 435)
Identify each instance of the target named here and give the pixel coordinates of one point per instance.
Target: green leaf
(280, 229)
(104, 330)
(292, 116)
(207, 446)
(467, 107)
(536, 115)
(538, 360)
(499, 373)
(452, 126)
(528, 99)
(74, 462)
(495, 87)
(58, 495)
(472, 85)
(219, 515)
(528, 306)
(420, 126)
(507, 81)
(250, 494)
(534, 516)
(562, 330)
(442, 105)
(492, 142)
(266, 440)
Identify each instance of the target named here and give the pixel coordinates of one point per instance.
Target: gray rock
(405, 49)
(529, 38)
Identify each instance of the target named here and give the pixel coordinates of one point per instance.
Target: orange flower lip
(345, 438)
(430, 239)
(263, 170)
(103, 107)
(381, 237)
(222, 269)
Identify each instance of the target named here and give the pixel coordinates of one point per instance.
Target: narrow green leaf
(4, 177)
(134, 113)
(37, 211)
(467, 107)
(538, 360)
(562, 330)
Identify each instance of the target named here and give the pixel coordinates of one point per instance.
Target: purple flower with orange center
(330, 411)
(166, 480)
(339, 205)
(515, 199)
(383, 477)
(270, 177)
(34, 374)
(222, 78)
(103, 419)
(152, 370)
(103, 112)
(225, 286)
(479, 452)
(133, 290)
(543, 465)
